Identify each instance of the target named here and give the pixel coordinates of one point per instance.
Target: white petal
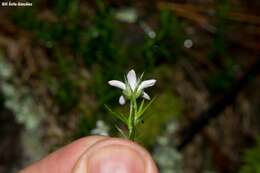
(121, 100)
(117, 83)
(146, 96)
(131, 78)
(146, 84)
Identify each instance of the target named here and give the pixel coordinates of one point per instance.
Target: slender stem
(131, 120)
(135, 107)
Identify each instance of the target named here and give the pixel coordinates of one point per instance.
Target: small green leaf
(141, 115)
(117, 115)
(140, 108)
(121, 131)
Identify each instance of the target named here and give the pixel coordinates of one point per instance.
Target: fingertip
(115, 155)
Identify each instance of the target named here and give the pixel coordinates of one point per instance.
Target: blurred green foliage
(167, 107)
(167, 44)
(67, 95)
(85, 125)
(252, 159)
(102, 46)
(225, 71)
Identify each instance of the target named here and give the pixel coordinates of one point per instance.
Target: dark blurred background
(57, 56)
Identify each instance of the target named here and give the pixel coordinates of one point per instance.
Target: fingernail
(115, 159)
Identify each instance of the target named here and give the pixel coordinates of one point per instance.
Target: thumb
(96, 154)
(114, 155)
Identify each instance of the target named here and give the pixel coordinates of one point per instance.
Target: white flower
(132, 87)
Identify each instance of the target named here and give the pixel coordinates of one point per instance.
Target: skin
(96, 154)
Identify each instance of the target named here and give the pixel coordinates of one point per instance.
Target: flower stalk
(132, 115)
